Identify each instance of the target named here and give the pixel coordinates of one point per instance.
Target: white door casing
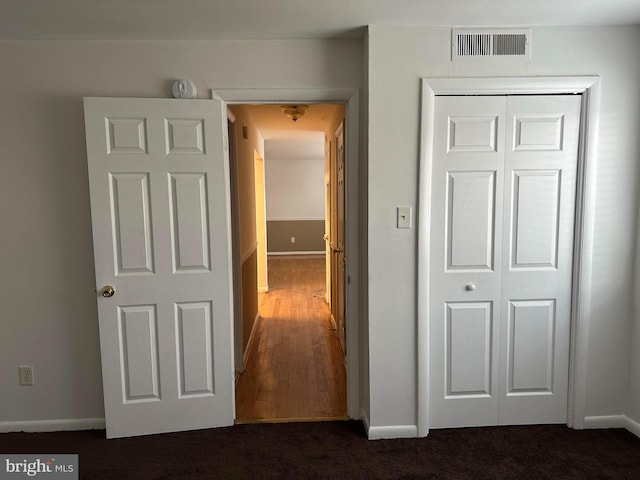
(159, 187)
(503, 200)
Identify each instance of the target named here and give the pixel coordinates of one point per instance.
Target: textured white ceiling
(259, 19)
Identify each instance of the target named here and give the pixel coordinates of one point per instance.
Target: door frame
(354, 236)
(235, 245)
(589, 89)
(261, 221)
(338, 303)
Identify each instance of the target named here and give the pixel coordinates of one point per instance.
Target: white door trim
(354, 235)
(589, 88)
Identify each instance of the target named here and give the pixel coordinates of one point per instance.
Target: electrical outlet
(293, 239)
(26, 375)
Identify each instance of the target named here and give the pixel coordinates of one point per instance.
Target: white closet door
(503, 199)
(466, 259)
(540, 191)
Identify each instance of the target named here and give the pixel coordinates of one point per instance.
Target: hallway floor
(296, 369)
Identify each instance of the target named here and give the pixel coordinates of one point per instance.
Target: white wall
(398, 58)
(633, 409)
(294, 187)
(48, 316)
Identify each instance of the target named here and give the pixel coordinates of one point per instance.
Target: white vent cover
(480, 43)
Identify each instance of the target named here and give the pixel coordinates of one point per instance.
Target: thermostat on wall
(183, 89)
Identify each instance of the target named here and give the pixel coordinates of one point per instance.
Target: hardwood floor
(296, 370)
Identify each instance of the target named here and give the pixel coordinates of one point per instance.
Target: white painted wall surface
(47, 282)
(46, 261)
(398, 58)
(294, 188)
(633, 409)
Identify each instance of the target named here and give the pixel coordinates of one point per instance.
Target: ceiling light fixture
(294, 112)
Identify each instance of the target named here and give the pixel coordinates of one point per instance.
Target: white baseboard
(394, 431)
(334, 325)
(632, 426)
(57, 425)
(365, 420)
(373, 433)
(605, 421)
(274, 254)
(253, 337)
(613, 421)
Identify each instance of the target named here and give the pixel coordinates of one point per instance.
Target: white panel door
(540, 191)
(503, 204)
(466, 260)
(159, 182)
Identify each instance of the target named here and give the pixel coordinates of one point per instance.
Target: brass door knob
(108, 291)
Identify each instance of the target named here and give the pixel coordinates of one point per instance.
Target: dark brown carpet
(340, 450)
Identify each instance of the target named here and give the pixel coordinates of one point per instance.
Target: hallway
(296, 368)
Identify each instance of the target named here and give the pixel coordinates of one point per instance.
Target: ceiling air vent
(490, 43)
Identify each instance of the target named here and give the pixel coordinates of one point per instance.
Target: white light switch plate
(404, 217)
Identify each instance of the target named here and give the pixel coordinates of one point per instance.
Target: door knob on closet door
(470, 287)
(108, 291)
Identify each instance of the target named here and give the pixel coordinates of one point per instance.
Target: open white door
(159, 181)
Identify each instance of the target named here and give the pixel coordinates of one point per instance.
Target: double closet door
(502, 213)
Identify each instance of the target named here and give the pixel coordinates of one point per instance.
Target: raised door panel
(194, 333)
(536, 203)
(189, 222)
(126, 136)
(468, 346)
(184, 136)
(477, 133)
(131, 224)
(138, 333)
(538, 132)
(531, 337)
(470, 214)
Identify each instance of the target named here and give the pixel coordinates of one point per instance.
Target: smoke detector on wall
(183, 89)
(506, 43)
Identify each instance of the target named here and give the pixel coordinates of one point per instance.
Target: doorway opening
(289, 297)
